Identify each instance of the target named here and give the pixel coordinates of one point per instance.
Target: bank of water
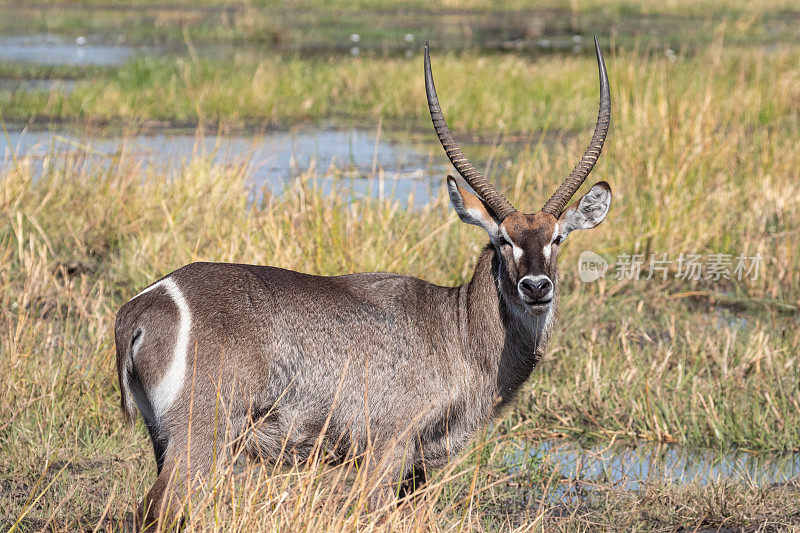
(53, 49)
(630, 466)
(362, 162)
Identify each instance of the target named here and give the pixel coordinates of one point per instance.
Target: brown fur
(380, 362)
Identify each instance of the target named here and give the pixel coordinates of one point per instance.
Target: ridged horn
(555, 205)
(498, 204)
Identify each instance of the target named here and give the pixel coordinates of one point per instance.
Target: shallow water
(50, 49)
(359, 161)
(54, 49)
(46, 85)
(630, 467)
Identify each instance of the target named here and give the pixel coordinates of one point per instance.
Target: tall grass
(261, 21)
(497, 93)
(701, 158)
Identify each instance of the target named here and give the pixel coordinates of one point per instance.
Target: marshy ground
(299, 137)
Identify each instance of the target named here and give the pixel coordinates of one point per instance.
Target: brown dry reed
(702, 158)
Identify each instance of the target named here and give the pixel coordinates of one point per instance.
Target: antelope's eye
(558, 240)
(501, 241)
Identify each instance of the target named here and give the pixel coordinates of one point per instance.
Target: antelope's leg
(389, 470)
(183, 469)
(415, 478)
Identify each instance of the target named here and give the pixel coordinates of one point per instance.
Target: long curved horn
(559, 200)
(499, 205)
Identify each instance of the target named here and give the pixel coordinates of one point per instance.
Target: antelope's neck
(507, 342)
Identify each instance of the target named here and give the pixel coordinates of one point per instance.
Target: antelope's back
(269, 330)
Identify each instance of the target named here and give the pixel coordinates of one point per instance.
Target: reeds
(702, 159)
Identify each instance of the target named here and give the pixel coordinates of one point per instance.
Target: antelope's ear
(472, 209)
(588, 212)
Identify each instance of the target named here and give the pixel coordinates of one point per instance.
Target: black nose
(536, 289)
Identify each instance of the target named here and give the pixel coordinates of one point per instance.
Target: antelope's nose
(535, 289)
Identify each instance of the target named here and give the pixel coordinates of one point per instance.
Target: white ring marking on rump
(155, 285)
(163, 395)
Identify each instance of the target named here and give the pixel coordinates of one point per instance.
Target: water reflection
(50, 49)
(45, 85)
(629, 467)
(360, 161)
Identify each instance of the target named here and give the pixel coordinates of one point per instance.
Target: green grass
(496, 93)
(627, 7)
(701, 158)
(629, 362)
(463, 24)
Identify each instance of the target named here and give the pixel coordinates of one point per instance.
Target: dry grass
(702, 158)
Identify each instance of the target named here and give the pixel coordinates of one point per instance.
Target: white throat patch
(536, 327)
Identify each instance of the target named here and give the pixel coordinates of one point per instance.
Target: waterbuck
(381, 362)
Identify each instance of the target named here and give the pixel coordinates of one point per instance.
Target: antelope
(374, 361)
